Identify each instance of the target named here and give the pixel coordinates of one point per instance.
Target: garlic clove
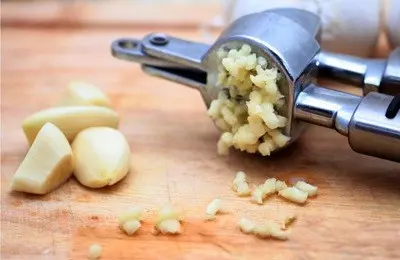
(80, 93)
(70, 120)
(102, 156)
(48, 163)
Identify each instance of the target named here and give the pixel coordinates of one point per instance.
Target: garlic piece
(129, 221)
(240, 186)
(135, 213)
(70, 120)
(102, 156)
(131, 226)
(280, 185)
(95, 251)
(304, 186)
(169, 226)
(257, 195)
(269, 187)
(212, 209)
(240, 177)
(48, 163)
(294, 194)
(80, 93)
(246, 225)
(243, 189)
(168, 221)
(288, 221)
(270, 229)
(168, 213)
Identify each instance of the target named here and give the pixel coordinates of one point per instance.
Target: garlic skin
(80, 93)
(102, 157)
(70, 120)
(48, 163)
(346, 28)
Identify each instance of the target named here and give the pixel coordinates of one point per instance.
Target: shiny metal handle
(373, 75)
(363, 120)
(175, 50)
(371, 132)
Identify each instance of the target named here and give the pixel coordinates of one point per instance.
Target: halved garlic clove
(70, 120)
(80, 93)
(102, 156)
(48, 163)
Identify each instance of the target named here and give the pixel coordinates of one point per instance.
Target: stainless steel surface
(363, 120)
(132, 50)
(391, 77)
(326, 107)
(186, 53)
(373, 75)
(371, 133)
(272, 34)
(191, 78)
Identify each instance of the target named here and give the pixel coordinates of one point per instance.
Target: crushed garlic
(257, 195)
(294, 194)
(304, 186)
(246, 225)
(212, 209)
(280, 185)
(246, 108)
(169, 226)
(262, 191)
(269, 186)
(168, 221)
(131, 226)
(288, 221)
(240, 186)
(270, 229)
(129, 221)
(95, 251)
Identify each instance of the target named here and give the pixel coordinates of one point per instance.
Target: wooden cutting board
(355, 216)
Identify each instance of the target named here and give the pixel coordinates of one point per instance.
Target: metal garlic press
(289, 38)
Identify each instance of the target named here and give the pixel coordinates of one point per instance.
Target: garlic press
(289, 38)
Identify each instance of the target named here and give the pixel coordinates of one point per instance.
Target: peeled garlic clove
(48, 164)
(70, 120)
(80, 93)
(102, 156)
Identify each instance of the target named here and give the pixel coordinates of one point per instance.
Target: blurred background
(354, 28)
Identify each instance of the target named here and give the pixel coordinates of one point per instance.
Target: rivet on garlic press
(159, 39)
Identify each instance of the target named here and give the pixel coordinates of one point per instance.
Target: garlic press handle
(371, 123)
(375, 127)
(373, 75)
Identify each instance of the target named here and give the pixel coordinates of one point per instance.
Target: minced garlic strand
(304, 186)
(246, 225)
(294, 194)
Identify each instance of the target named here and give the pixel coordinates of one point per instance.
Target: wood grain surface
(355, 216)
